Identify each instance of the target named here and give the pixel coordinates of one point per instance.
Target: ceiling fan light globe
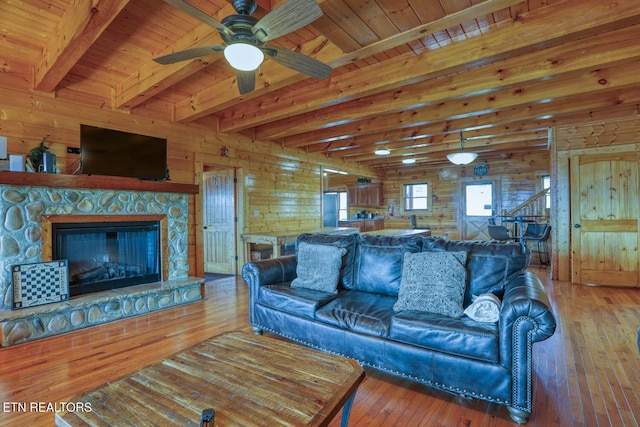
(462, 158)
(243, 57)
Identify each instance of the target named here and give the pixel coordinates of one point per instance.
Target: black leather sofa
(490, 361)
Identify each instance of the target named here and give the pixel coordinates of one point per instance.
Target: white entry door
(479, 203)
(219, 222)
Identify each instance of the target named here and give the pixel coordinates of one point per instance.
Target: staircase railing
(535, 205)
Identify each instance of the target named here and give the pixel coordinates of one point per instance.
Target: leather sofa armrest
(526, 317)
(267, 272)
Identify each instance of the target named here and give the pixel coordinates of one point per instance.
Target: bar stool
(539, 233)
(499, 232)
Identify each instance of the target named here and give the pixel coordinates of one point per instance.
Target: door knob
(576, 225)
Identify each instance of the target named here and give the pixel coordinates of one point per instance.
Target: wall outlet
(73, 150)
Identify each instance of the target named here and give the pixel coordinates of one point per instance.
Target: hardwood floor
(587, 374)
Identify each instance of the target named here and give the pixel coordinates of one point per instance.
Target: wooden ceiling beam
(408, 135)
(215, 99)
(609, 105)
(558, 23)
(80, 26)
(607, 49)
(588, 115)
(440, 158)
(474, 139)
(468, 14)
(544, 98)
(154, 78)
(441, 150)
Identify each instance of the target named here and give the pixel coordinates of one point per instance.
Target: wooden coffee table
(247, 379)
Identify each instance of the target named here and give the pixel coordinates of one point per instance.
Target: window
(546, 183)
(479, 199)
(416, 197)
(342, 205)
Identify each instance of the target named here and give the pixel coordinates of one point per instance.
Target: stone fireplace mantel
(93, 182)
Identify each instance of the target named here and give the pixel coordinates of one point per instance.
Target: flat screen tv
(115, 153)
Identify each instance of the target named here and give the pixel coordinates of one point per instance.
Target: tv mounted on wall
(115, 153)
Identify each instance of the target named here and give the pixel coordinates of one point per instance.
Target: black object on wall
(115, 153)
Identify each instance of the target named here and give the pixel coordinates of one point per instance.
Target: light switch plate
(3, 147)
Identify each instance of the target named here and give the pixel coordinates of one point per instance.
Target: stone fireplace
(106, 255)
(154, 276)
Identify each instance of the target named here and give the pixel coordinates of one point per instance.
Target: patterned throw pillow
(433, 282)
(318, 267)
(485, 308)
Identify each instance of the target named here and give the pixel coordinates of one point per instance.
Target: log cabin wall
(583, 138)
(518, 178)
(283, 186)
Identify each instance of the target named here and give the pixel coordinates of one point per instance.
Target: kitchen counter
(279, 239)
(363, 224)
(401, 232)
(377, 218)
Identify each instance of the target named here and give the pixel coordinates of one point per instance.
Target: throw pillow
(485, 308)
(318, 267)
(349, 242)
(433, 282)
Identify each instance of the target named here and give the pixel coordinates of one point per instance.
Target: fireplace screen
(104, 256)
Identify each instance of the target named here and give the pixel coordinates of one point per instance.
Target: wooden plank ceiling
(409, 75)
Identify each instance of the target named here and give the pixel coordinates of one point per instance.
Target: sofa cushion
(462, 337)
(347, 242)
(298, 301)
(433, 282)
(361, 312)
(379, 262)
(490, 264)
(318, 267)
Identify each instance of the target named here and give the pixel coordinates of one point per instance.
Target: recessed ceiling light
(382, 152)
(408, 161)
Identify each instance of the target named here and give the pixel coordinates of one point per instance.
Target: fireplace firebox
(103, 256)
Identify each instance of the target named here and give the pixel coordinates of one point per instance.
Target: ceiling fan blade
(299, 62)
(183, 55)
(287, 18)
(246, 81)
(200, 15)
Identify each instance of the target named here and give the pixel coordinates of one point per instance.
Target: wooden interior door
(604, 216)
(219, 222)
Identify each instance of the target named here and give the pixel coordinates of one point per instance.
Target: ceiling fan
(246, 38)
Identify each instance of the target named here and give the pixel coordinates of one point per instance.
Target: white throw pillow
(485, 308)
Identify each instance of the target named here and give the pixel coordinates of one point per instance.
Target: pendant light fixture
(462, 158)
